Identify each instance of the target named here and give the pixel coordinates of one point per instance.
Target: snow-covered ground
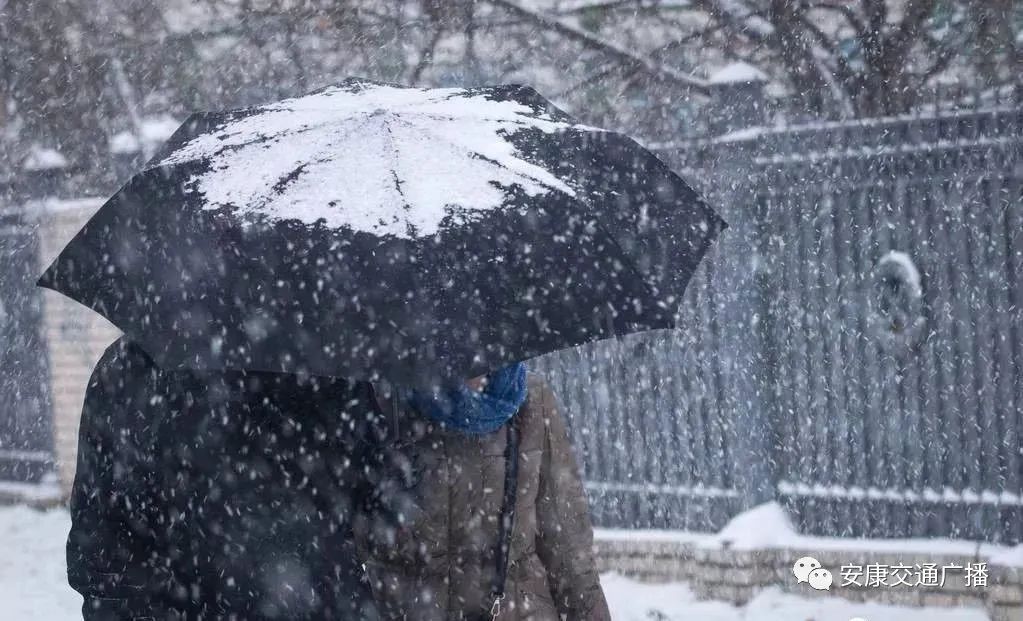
(634, 601)
(33, 586)
(767, 527)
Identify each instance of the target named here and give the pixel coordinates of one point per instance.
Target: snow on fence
(853, 347)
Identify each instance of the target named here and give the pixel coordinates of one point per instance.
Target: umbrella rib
(396, 163)
(532, 122)
(258, 138)
(480, 156)
(293, 175)
(286, 180)
(628, 263)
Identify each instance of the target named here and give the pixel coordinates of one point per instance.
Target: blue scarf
(471, 411)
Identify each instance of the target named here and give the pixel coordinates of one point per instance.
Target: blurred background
(850, 358)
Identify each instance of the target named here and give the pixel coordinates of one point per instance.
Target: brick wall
(736, 575)
(75, 336)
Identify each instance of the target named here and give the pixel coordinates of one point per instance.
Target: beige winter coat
(442, 564)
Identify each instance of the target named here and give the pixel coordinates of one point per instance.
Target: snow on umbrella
(373, 230)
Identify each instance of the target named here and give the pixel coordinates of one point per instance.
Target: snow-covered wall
(757, 550)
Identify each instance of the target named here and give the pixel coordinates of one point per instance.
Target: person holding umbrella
(271, 264)
(218, 495)
(494, 520)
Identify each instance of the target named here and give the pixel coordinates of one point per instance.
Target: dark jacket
(441, 563)
(219, 495)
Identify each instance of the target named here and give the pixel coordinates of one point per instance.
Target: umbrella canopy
(372, 230)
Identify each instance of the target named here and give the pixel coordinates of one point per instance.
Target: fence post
(737, 96)
(740, 284)
(26, 424)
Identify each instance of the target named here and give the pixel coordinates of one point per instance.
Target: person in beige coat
(494, 523)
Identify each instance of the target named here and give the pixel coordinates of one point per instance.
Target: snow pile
(764, 526)
(374, 157)
(768, 527)
(634, 601)
(737, 73)
(155, 129)
(40, 158)
(149, 133)
(124, 142)
(747, 133)
(909, 271)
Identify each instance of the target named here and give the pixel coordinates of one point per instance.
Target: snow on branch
(581, 6)
(600, 44)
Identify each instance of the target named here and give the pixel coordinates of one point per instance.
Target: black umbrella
(372, 230)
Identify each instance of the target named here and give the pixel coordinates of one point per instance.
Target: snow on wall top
(378, 158)
(124, 142)
(157, 129)
(40, 158)
(736, 73)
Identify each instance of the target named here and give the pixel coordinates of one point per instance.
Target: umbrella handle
(609, 320)
(394, 415)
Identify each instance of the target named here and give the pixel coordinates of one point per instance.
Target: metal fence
(26, 440)
(853, 347)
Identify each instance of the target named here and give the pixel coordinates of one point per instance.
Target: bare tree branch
(584, 6)
(916, 14)
(597, 43)
(590, 78)
(744, 20)
(844, 73)
(426, 57)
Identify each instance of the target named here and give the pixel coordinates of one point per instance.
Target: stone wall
(75, 336)
(737, 575)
